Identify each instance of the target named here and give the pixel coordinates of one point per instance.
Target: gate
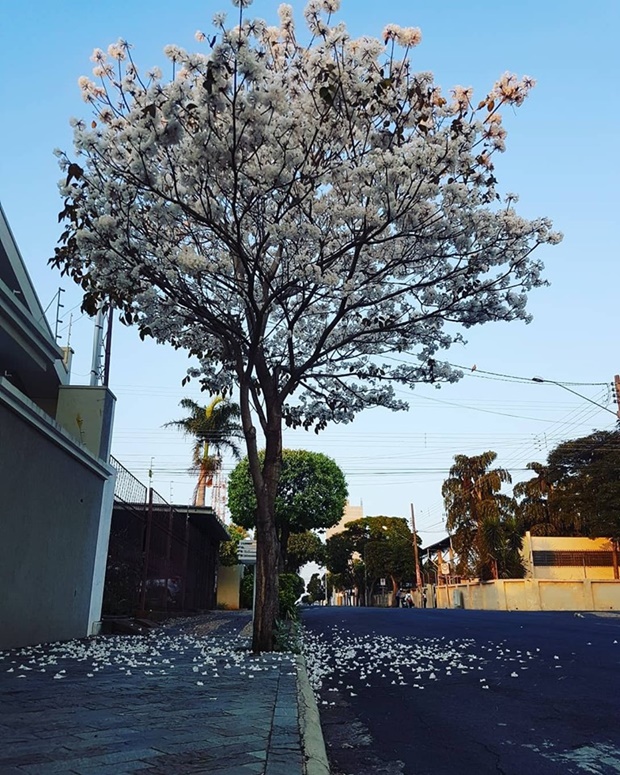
(159, 560)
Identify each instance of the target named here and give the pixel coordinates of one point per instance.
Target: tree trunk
(265, 482)
(267, 547)
(284, 536)
(201, 488)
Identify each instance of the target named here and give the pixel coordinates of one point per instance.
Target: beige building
(562, 558)
(350, 514)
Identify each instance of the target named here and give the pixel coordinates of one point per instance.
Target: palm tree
(479, 517)
(214, 428)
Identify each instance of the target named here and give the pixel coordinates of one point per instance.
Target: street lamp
(575, 393)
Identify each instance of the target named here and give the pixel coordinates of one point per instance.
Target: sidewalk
(187, 698)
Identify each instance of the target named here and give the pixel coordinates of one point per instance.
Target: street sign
(246, 552)
(382, 582)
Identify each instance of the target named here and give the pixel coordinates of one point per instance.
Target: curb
(312, 743)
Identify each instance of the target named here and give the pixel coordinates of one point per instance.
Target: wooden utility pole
(418, 573)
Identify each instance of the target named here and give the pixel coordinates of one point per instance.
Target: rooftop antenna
(102, 346)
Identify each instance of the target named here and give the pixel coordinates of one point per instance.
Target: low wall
(531, 595)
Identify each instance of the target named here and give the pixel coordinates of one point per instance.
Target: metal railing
(158, 559)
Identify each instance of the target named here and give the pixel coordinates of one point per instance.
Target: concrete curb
(312, 743)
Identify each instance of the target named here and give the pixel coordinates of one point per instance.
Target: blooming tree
(290, 210)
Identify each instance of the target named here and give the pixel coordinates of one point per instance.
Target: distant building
(563, 558)
(350, 514)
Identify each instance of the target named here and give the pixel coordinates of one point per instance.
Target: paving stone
(244, 721)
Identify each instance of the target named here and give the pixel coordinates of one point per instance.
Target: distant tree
(303, 548)
(384, 549)
(586, 471)
(480, 518)
(316, 588)
(534, 506)
(345, 571)
(311, 494)
(228, 549)
(293, 212)
(291, 587)
(577, 492)
(214, 427)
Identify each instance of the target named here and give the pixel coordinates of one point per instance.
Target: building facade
(56, 486)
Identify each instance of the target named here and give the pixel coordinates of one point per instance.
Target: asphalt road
(453, 692)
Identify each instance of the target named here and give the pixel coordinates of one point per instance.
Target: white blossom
(293, 214)
(117, 50)
(409, 36)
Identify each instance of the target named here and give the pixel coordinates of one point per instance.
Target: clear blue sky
(562, 159)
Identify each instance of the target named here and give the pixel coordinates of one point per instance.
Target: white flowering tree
(290, 210)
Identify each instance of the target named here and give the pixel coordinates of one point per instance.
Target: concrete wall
(532, 595)
(53, 498)
(87, 412)
(228, 581)
(533, 544)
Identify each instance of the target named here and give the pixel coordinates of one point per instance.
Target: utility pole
(107, 348)
(418, 573)
(616, 392)
(95, 369)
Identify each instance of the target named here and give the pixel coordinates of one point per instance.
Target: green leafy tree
(291, 586)
(586, 471)
(311, 494)
(228, 549)
(316, 588)
(480, 518)
(535, 503)
(346, 571)
(303, 548)
(214, 428)
(246, 590)
(369, 549)
(577, 493)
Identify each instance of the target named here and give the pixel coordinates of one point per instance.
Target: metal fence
(158, 559)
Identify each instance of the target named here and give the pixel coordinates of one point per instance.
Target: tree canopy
(311, 494)
(228, 553)
(290, 213)
(480, 518)
(372, 548)
(303, 548)
(577, 492)
(316, 588)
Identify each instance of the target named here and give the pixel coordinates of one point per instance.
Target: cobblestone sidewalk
(187, 698)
